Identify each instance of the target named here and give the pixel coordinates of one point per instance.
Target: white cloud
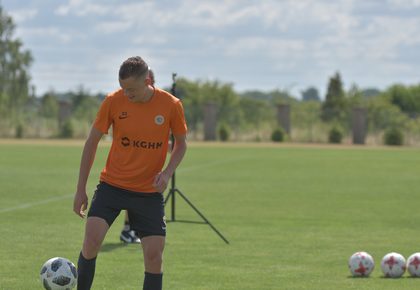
(305, 40)
(109, 27)
(144, 13)
(405, 3)
(151, 39)
(82, 8)
(46, 34)
(207, 14)
(22, 15)
(263, 46)
(66, 8)
(381, 39)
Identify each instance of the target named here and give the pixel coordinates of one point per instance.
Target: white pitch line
(31, 204)
(52, 199)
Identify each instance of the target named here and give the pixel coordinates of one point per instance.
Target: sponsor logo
(123, 115)
(125, 141)
(159, 120)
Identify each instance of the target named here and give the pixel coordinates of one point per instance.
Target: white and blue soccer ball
(393, 265)
(413, 265)
(58, 274)
(361, 264)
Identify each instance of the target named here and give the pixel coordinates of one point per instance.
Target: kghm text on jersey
(125, 141)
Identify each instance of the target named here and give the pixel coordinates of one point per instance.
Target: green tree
(255, 111)
(305, 118)
(370, 93)
(229, 110)
(406, 98)
(258, 95)
(14, 70)
(281, 97)
(334, 106)
(192, 100)
(355, 97)
(49, 105)
(382, 114)
(195, 94)
(85, 105)
(310, 94)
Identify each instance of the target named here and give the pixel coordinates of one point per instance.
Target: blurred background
(258, 71)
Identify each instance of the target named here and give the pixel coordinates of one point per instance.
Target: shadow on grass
(398, 278)
(382, 277)
(109, 247)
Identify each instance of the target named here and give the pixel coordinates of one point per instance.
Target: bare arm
(177, 154)
(88, 156)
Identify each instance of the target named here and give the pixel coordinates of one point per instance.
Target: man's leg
(153, 256)
(96, 229)
(127, 234)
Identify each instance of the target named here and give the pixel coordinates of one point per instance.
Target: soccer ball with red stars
(361, 264)
(413, 265)
(393, 265)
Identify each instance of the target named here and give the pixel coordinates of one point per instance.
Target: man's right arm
(88, 156)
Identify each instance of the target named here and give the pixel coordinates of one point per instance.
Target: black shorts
(145, 210)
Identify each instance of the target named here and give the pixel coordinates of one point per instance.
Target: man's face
(135, 89)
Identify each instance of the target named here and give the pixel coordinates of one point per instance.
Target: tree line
(248, 115)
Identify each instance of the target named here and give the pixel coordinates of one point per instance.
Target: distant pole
(64, 112)
(359, 125)
(283, 117)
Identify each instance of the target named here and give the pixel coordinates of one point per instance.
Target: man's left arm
(162, 179)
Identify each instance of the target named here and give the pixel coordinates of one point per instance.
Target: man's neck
(149, 94)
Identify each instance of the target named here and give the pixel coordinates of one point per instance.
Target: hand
(161, 181)
(80, 203)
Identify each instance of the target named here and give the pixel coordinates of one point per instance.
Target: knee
(153, 257)
(91, 247)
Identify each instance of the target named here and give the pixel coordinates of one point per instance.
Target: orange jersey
(140, 137)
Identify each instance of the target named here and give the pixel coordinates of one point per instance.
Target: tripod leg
(202, 216)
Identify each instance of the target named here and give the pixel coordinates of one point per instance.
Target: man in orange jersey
(128, 235)
(142, 118)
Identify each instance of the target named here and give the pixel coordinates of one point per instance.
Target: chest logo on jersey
(123, 115)
(159, 120)
(125, 141)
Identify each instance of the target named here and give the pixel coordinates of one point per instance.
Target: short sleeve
(104, 118)
(178, 124)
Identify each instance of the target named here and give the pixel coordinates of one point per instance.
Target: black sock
(85, 272)
(152, 281)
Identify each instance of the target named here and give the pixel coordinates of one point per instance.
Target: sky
(252, 44)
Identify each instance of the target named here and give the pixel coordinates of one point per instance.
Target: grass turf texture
(293, 217)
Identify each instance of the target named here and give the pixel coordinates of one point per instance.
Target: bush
(224, 132)
(67, 130)
(335, 135)
(393, 136)
(278, 135)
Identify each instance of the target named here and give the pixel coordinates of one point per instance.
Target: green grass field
(293, 216)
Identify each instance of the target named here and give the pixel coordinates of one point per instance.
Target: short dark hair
(152, 77)
(133, 67)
